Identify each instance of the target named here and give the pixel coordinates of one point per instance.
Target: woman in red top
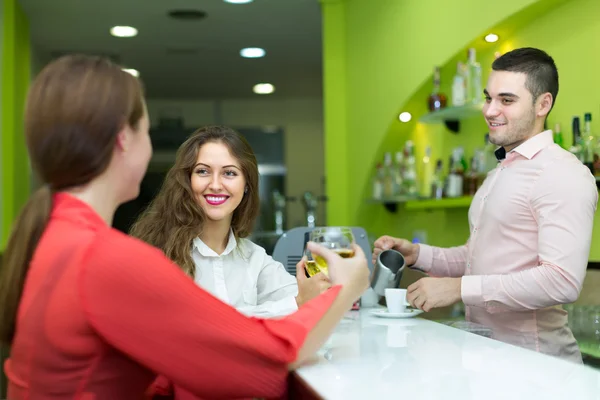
(91, 313)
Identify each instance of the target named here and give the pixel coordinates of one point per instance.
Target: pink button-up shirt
(531, 228)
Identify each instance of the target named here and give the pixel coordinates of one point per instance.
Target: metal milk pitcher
(387, 271)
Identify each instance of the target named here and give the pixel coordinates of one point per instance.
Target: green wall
(391, 50)
(15, 170)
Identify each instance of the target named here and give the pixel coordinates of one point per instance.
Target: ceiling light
(252, 52)
(238, 1)
(405, 117)
(123, 31)
(263, 88)
(132, 71)
(491, 38)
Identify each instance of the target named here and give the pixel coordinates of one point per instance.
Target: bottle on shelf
(436, 100)
(410, 170)
(426, 174)
(388, 176)
(474, 84)
(378, 183)
(577, 147)
(399, 174)
(589, 142)
(454, 186)
(459, 86)
(558, 136)
(437, 182)
(471, 179)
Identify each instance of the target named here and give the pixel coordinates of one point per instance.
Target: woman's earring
(246, 190)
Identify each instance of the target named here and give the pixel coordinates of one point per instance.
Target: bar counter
(369, 357)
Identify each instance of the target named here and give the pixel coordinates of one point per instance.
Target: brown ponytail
(23, 240)
(75, 108)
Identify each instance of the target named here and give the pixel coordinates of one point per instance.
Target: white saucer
(408, 313)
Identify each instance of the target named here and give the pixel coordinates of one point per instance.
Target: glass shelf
(428, 204)
(452, 115)
(412, 203)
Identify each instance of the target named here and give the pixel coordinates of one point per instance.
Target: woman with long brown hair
(201, 217)
(92, 313)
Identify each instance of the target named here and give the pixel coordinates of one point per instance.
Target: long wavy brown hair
(75, 109)
(174, 218)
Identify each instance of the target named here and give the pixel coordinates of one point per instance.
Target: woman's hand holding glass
(334, 252)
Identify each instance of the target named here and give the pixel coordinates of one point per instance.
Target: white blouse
(245, 277)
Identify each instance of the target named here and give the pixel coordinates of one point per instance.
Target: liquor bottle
(436, 100)
(388, 176)
(399, 174)
(437, 182)
(378, 182)
(589, 142)
(459, 86)
(474, 84)
(576, 148)
(455, 175)
(426, 174)
(558, 136)
(410, 171)
(471, 178)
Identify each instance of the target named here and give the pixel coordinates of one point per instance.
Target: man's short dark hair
(542, 75)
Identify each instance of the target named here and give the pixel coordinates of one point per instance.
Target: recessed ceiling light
(263, 88)
(405, 117)
(132, 71)
(252, 52)
(491, 38)
(123, 31)
(238, 1)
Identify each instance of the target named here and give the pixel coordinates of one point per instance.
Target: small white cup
(395, 300)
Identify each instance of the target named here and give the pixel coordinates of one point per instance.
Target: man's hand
(409, 250)
(428, 293)
(309, 288)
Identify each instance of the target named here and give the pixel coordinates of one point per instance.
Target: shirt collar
(530, 147)
(206, 251)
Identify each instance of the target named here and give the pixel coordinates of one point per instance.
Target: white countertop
(373, 358)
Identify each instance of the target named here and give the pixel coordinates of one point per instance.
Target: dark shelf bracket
(452, 125)
(391, 207)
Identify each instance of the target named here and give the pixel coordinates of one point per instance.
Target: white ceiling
(191, 59)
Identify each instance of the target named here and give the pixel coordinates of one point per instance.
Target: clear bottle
(388, 176)
(454, 187)
(426, 174)
(410, 171)
(378, 183)
(474, 84)
(459, 86)
(437, 182)
(399, 174)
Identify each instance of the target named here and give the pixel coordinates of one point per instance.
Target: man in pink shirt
(530, 222)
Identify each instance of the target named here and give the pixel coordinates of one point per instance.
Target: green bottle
(558, 136)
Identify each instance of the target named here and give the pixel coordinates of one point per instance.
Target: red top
(103, 313)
